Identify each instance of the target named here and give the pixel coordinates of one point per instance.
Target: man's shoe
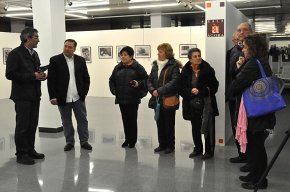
(195, 154)
(245, 168)
(125, 144)
(68, 147)
(34, 155)
(206, 156)
(87, 146)
(252, 186)
(246, 178)
(158, 149)
(25, 160)
(238, 159)
(168, 150)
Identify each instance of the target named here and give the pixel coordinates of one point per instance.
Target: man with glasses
(22, 69)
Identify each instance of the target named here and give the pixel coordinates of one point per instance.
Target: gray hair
(27, 32)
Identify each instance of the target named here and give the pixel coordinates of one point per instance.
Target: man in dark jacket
(68, 85)
(23, 70)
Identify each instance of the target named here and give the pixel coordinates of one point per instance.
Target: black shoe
(125, 144)
(245, 168)
(68, 147)
(25, 160)
(238, 159)
(195, 154)
(207, 156)
(131, 145)
(87, 146)
(34, 155)
(158, 149)
(168, 150)
(246, 178)
(252, 186)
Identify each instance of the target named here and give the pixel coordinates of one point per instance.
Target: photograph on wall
(6, 52)
(86, 53)
(105, 52)
(142, 51)
(118, 49)
(183, 49)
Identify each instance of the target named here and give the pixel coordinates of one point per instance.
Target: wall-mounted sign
(215, 28)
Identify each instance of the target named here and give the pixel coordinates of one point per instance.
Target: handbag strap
(261, 68)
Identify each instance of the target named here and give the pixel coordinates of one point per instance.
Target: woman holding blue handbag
(255, 49)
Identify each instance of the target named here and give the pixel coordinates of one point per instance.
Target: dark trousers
(256, 154)
(233, 111)
(79, 109)
(196, 135)
(27, 113)
(166, 128)
(129, 114)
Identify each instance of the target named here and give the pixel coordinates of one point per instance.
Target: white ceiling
(270, 16)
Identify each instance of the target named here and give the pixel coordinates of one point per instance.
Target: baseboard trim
(50, 129)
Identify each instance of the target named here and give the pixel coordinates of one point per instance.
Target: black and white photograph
(6, 52)
(142, 51)
(86, 53)
(183, 49)
(105, 52)
(118, 49)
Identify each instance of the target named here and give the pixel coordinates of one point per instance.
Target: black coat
(58, 78)
(205, 80)
(20, 69)
(243, 79)
(120, 86)
(170, 85)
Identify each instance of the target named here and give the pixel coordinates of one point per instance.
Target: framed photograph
(6, 52)
(86, 53)
(105, 52)
(118, 49)
(142, 51)
(183, 49)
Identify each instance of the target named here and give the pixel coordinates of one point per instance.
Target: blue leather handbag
(263, 96)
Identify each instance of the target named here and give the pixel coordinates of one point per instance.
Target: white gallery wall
(101, 69)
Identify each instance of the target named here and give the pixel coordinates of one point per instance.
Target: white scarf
(160, 65)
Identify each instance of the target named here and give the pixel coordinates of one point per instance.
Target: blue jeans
(80, 112)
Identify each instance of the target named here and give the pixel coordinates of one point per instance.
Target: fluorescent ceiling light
(152, 6)
(75, 4)
(75, 15)
(267, 7)
(200, 7)
(85, 11)
(18, 9)
(18, 14)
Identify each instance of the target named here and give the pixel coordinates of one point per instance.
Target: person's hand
(194, 91)
(134, 83)
(240, 62)
(40, 76)
(155, 93)
(53, 101)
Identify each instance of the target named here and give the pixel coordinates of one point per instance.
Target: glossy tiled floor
(110, 168)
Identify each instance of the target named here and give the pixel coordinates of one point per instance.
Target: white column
(228, 18)
(158, 21)
(49, 20)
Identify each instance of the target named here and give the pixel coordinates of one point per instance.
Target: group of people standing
(69, 81)
(196, 80)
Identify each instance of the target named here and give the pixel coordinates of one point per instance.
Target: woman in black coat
(127, 83)
(197, 80)
(163, 81)
(254, 48)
